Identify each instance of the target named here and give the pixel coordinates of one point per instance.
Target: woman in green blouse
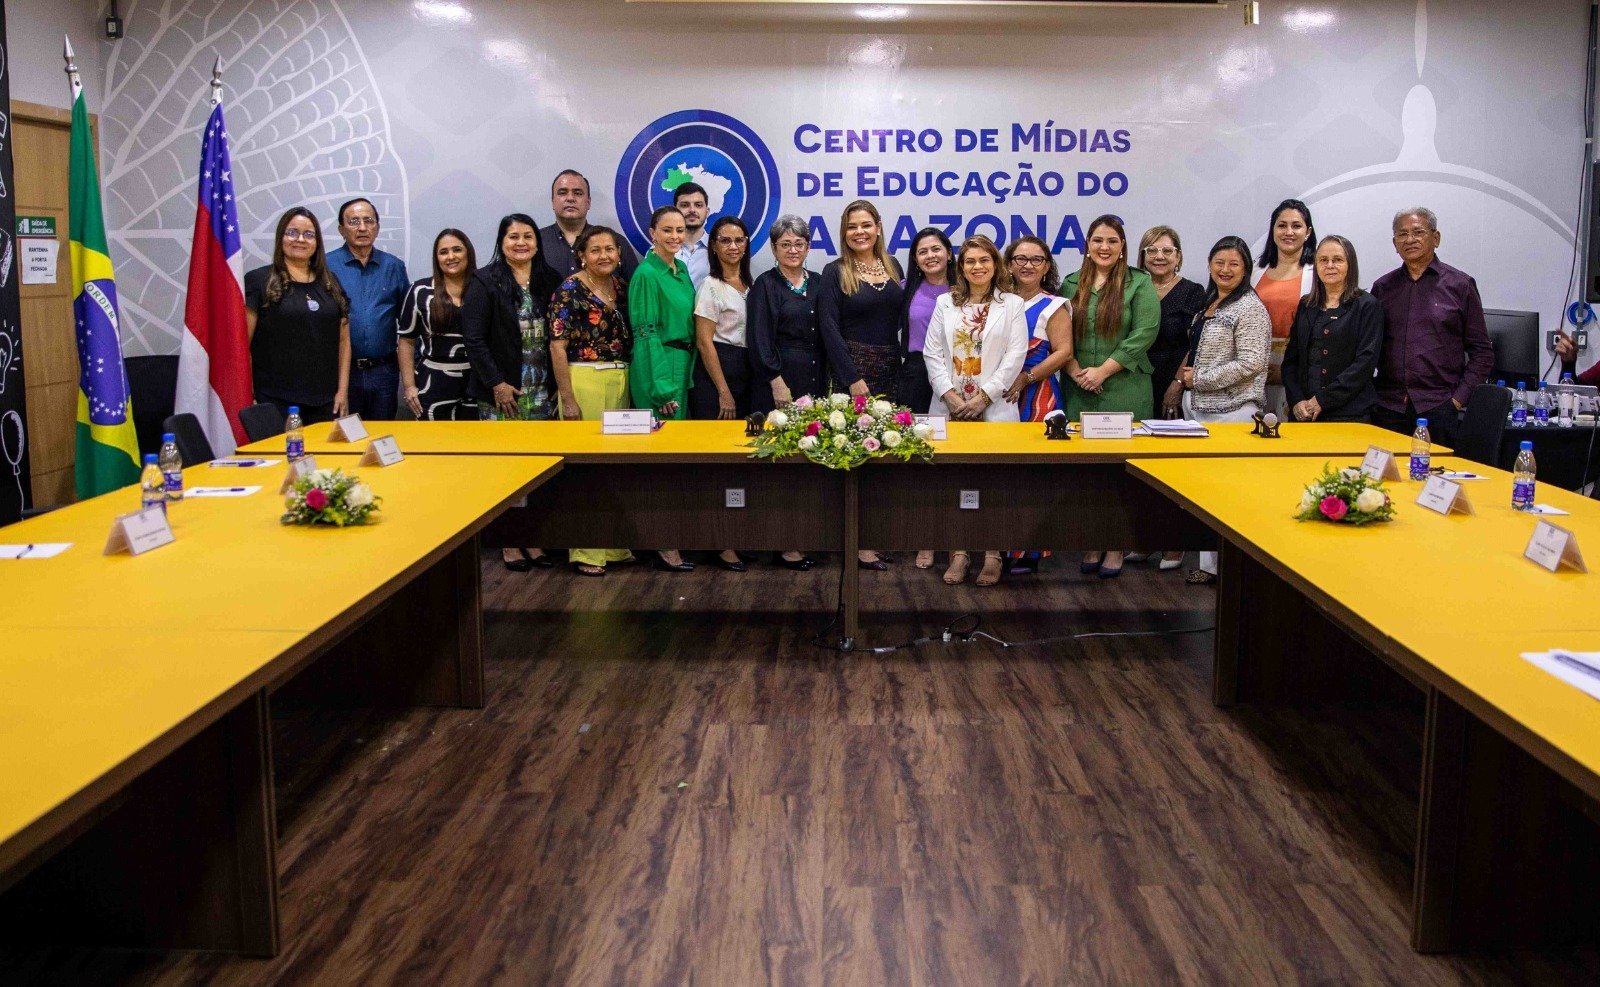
(661, 307)
(1116, 315)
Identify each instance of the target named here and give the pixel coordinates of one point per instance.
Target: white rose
(1308, 500)
(808, 443)
(1350, 472)
(841, 440)
(1370, 501)
(839, 400)
(359, 495)
(922, 430)
(321, 477)
(778, 419)
(881, 407)
(837, 419)
(891, 438)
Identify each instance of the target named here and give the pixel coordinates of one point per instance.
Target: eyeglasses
(732, 241)
(1022, 261)
(1401, 236)
(1160, 251)
(299, 234)
(359, 222)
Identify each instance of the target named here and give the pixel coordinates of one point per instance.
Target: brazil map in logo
(713, 150)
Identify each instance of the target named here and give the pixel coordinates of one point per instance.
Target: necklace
(800, 289)
(876, 276)
(609, 297)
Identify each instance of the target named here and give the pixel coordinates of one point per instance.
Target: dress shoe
(540, 561)
(662, 565)
(804, 563)
(723, 563)
(523, 564)
(876, 565)
(1088, 567)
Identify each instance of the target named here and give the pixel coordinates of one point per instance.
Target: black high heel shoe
(541, 561)
(662, 565)
(523, 564)
(804, 563)
(723, 563)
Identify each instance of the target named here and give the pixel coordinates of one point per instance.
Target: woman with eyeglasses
(1161, 254)
(1224, 375)
(1335, 343)
(785, 349)
(721, 388)
(1115, 318)
(297, 319)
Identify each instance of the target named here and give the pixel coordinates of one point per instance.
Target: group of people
(566, 321)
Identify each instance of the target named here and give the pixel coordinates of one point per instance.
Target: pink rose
(803, 401)
(864, 422)
(861, 403)
(904, 419)
(1333, 508)
(316, 499)
(813, 428)
(871, 444)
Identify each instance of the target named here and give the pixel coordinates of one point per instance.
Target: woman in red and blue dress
(1037, 389)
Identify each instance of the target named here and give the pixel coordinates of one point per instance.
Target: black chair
(261, 421)
(152, 382)
(191, 438)
(1483, 425)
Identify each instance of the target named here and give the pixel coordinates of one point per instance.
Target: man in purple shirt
(1436, 347)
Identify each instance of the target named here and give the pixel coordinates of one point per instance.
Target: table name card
(298, 469)
(382, 451)
(348, 429)
(1106, 424)
(635, 421)
(1554, 548)
(139, 532)
(1444, 497)
(938, 427)
(1379, 464)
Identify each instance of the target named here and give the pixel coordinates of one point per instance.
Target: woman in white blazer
(977, 342)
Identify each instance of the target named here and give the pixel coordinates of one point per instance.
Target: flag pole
(216, 82)
(72, 67)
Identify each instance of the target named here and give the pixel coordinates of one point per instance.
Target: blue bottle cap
(294, 409)
(1527, 446)
(149, 459)
(168, 437)
(1500, 383)
(1522, 385)
(1543, 384)
(1422, 423)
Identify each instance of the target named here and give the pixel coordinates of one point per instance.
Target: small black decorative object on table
(1267, 425)
(1055, 425)
(754, 423)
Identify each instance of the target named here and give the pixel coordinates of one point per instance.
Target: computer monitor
(1517, 348)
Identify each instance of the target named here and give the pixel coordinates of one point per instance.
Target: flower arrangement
(329, 497)
(1345, 496)
(842, 432)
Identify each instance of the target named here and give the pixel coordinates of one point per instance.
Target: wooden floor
(670, 785)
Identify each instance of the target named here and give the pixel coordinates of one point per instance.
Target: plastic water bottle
(294, 435)
(1541, 405)
(1564, 402)
(171, 463)
(1519, 405)
(1421, 450)
(152, 485)
(1522, 482)
(528, 400)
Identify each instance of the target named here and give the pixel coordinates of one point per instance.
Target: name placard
(1379, 464)
(632, 421)
(298, 468)
(1554, 548)
(348, 429)
(139, 532)
(938, 427)
(382, 451)
(1106, 424)
(1444, 497)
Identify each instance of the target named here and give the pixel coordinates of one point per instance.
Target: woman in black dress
(432, 352)
(296, 315)
(785, 349)
(858, 307)
(1334, 343)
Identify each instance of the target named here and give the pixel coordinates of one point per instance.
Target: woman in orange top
(1286, 277)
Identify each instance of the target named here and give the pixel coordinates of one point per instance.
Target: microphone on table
(1055, 425)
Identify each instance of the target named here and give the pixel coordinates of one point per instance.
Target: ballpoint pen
(1572, 661)
(25, 550)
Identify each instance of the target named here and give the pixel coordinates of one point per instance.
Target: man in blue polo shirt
(375, 281)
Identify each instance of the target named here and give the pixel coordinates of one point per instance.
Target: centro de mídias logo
(711, 149)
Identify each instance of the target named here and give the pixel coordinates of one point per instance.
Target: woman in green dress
(661, 308)
(1116, 315)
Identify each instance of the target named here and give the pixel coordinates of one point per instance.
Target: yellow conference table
(672, 488)
(135, 755)
(1449, 603)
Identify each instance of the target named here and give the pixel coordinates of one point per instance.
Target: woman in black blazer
(1334, 343)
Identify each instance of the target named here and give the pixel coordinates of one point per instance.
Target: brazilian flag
(108, 450)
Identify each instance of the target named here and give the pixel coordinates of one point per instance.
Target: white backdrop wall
(33, 47)
(453, 112)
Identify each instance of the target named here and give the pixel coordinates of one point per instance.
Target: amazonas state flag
(108, 449)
